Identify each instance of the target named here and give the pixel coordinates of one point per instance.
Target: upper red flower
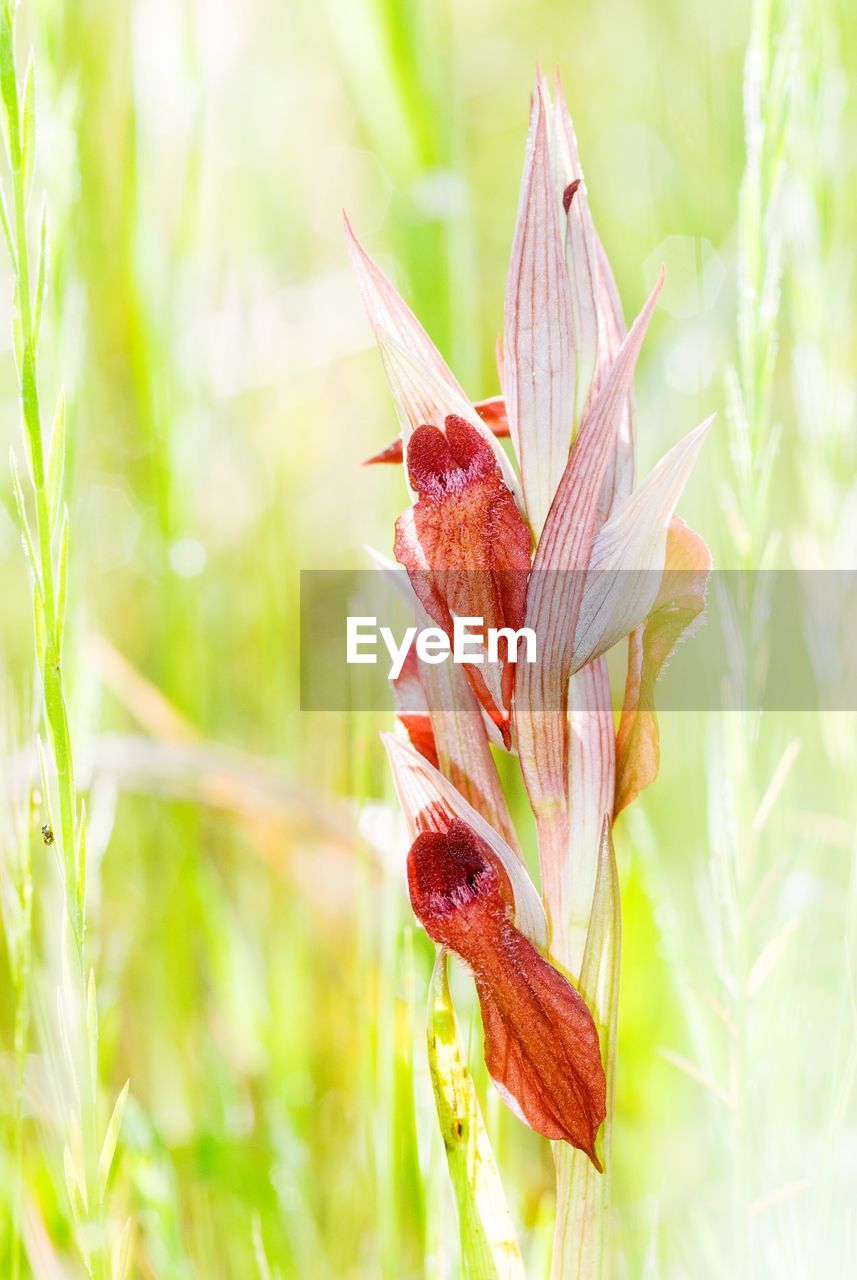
(466, 546)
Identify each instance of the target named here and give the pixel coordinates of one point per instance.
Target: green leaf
(489, 1248)
(92, 1033)
(56, 461)
(41, 274)
(75, 1185)
(8, 83)
(124, 1252)
(17, 336)
(7, 230)
(24, 525)
(46, 797)
(80, 860)
(62, 581)
(40, 630)
(111, 1138)
(28, 128)
(583, 1195)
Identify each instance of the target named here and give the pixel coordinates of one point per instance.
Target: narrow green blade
(583, 1194)
(489, 1248)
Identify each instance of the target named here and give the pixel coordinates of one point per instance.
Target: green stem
(49, 605)
(22, 1030)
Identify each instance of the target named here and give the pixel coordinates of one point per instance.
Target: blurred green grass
(260, 978)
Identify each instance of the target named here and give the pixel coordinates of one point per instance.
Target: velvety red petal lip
(466, 547)
(491, 411)
(541, 1043)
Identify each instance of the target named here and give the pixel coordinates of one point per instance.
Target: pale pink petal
(627, 557)
(681, 599)
(430, 802)
(491, 411)
(599, 324)
(581, 258)
(422, 398)
(539, 351)
(389, 313)
(459, 728)
(555, 594)
(591, 783)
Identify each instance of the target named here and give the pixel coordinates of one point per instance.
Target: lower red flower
(541, 1043)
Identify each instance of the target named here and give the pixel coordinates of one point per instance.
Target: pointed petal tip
(391, 453)
(352, 243)
(642, 321)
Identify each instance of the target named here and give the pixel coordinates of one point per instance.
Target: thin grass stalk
(489, 1248)
(87, 1160)
(754, 437)
(16, 898)
(581, 1249)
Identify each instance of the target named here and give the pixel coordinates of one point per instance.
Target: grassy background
(259, 976)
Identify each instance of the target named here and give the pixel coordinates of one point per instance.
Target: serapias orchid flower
(541, 1044)
(543, 538)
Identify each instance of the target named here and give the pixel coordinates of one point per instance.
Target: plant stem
(49, 609)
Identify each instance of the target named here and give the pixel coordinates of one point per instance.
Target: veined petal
(555, 594)
(541, 1043)
(491, 411)
(421, 396)
(388, 312)
(430, 803)
(612, 331)
(539, 349)
(628, 554)
(460, 731)
(591, 786)
(581, 259)
(681, 598)
(466, 547)
(412, 710)
(582, 1203)
(598, 320)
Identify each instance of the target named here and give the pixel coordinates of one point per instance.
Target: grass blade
(583, 1195)
(489, 1248)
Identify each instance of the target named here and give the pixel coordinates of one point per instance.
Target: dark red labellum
(541, 1043)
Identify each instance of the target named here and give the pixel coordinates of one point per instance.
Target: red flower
(466, 547)
(541, 1044)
